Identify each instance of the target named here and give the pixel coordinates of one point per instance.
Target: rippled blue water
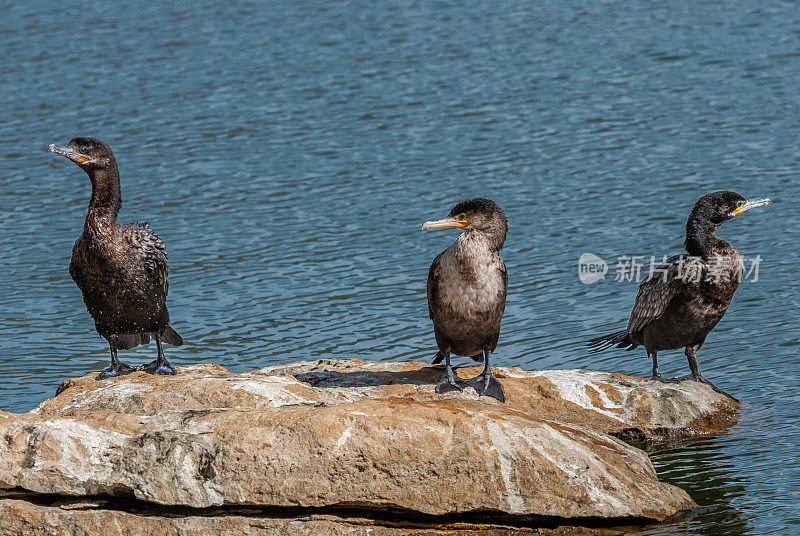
(288, 152)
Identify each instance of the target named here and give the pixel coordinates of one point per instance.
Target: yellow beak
(69, 152)
(447, 222)
(751, 203)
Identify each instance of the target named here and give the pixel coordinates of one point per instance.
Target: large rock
(624, 406)
(358, 436)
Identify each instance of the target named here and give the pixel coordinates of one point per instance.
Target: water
(288, 153)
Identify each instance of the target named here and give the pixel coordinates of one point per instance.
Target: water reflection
(709, 475)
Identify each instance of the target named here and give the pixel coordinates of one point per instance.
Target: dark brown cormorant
(120, 269)
(467, 286)
(682, 300)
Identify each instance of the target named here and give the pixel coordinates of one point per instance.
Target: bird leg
(695, 374)
(117, 368)
(449, 382)
(485, 384)
(160, 365)
(656, 374)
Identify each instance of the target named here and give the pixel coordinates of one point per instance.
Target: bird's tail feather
(439, 357)
(126, 341)
(620, 338)
(171, 336)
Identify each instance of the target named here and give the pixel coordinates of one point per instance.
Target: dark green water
(288, 153)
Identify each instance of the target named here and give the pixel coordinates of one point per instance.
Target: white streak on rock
(117, 391)
(342, 439)
(505, 454)
(572, 385)
(272, 389)
(597, 491)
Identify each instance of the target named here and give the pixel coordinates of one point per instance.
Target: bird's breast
(471, 290)
(722, 277)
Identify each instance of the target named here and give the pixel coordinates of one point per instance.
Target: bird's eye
(82, 150)
(462, 216)
(740, 204)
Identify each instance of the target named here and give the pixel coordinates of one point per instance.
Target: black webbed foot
(450, 382)
(699, 378)
(488, 385)
(159, 367)
(659, 378)
(679, 379)
(117, 368)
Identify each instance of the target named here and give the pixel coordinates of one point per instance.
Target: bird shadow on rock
(367, 378)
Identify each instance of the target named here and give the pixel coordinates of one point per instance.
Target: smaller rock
(20, 517)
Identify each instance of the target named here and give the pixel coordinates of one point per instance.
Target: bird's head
(479, 214)
(88, 153)
(719, 207)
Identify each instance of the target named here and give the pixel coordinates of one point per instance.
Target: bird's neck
(106, 197)
(473, 244)
(701, 240)
(473, 238)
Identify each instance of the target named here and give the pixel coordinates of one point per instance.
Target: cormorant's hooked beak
(751, 203)
(69, 152)
(447, 222)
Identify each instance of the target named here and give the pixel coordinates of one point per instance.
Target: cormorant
(120, 269)
(467, 286)
(682, 300)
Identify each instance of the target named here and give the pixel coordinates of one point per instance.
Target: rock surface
(331, 436)
(21, 517)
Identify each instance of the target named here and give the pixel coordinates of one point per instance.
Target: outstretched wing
(146, 240)
(661, 286)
